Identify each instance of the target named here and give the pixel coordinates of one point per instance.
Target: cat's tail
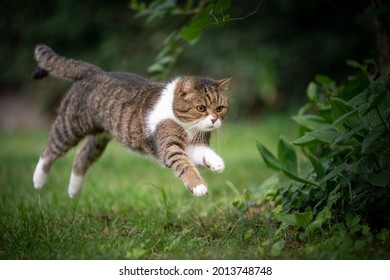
(66, 68)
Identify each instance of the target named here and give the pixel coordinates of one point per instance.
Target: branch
(248, 15)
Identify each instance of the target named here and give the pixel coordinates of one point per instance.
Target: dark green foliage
(270, 48)
(345, 139)
(197, 15)
(213, 13)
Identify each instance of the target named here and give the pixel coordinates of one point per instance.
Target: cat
(170, 121)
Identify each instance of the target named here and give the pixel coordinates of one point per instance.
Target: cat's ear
(223, 84)
(188, 85)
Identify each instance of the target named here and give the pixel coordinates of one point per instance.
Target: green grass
(133, 208)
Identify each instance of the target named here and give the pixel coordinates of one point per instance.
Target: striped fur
(168, 121)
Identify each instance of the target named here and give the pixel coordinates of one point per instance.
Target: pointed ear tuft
(224, 83)
(188, 85)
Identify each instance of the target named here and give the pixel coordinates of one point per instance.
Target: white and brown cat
(169, 121)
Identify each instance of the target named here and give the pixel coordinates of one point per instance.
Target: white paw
(199, 190)
(202, 155)
(214, 162)
(40, 176)
(75, 185)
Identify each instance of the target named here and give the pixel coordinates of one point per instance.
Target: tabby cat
(170, 122)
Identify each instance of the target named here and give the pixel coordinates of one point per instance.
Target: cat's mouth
(208, 124)
(210, 127)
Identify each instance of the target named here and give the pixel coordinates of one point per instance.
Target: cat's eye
(219, 109)
(201, 108)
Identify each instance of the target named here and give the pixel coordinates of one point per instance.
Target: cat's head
(201, 102)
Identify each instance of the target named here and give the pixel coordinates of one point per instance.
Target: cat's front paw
(199, 190)
(214, 162)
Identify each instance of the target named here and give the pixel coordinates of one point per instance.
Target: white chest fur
(163, 110)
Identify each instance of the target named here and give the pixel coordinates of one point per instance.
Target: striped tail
(66, 68)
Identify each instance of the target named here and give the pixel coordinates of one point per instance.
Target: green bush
(345, 141)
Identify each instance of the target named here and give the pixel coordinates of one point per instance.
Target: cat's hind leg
(41, 173)
(62, 137)
(90, 151)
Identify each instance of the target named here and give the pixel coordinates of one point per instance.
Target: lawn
(133, 208)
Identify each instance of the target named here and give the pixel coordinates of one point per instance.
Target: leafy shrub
(344, 136)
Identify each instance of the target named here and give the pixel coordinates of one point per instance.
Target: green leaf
(269, 183)
(360, 244)
(381, 179)
(296, 219)
(334, 196)
(221, 6)
(262, 193)
(312, 91)
(357, 65)
(383, 235)
(311, 122)
(322, 79)
(344, 117)
(370, 139)
(298, 179)
(191, 32)
(354, 63)
(226, 18)
(318, 168)
(137, 253)
(365, 230)
(277, 248)
(325, 112)
(377, 99)
(335, 172)
(248, 234)
(345, 137)
(324, 135)
(305, 108)
(194, 29)
(165, 59)
(354, 167)
(156, 67)
(339, 108)
(287, 156)
(271, 162)
(322, 217)
(305, 140)
(288, 219)
(352, 221)
(269, 159)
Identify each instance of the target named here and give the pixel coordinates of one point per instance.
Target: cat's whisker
(222, 134)
(224, 130)
(219, 137)
(225, 126)
(188, 129)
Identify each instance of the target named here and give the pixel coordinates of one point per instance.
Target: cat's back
(109, 95)
(128, 81)
(128, 85)
(119, 86)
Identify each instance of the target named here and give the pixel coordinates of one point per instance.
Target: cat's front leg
(205, 156)
(171, 141)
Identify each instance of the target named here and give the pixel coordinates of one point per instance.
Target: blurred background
(272, 55)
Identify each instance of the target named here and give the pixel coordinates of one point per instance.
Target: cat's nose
(214, 120)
